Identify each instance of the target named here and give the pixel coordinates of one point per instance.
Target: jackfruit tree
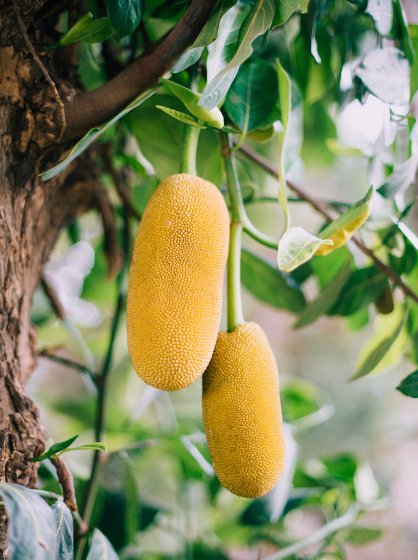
(173, 175)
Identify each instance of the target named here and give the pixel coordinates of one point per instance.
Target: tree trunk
(31, 216)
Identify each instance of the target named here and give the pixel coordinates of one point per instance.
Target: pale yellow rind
(175, 283)
(242, 412)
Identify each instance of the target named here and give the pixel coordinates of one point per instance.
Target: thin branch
(91, 108)
(67, 482)
(67, 362)
(324, 532)
(123, 190)
(51, 294)
(323, 209)
(111, 247)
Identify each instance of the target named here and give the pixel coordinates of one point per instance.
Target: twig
(67, 482)
(51, 294)
(332, 527)
(111, 247)
(67, 362)
(35, 56)
(322, 208)
(122, 189)
(91, 108)
(101, 381)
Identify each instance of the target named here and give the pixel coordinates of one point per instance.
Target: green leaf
(65, 530)
(191, 100)
(269, 285)
(252, 96)
(255, 24)
(326, 269)
(31, 524)
(296, 247)
(340, 150)
(359, 536)
(342, 229)
(326, 298)
(101, 548)
(362, 288)
(413, 33)
(285, 93)
(409, 385)
(182, 117)
(284, 9)
(125, 15)
(54, 449)
(377, 348)
(92, 135)
(205, 37)
(94, 446)
(406, 42)
(88, 30)
(382, 13)
(385, 73)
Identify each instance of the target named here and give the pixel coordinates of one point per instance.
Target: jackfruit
(175, 284)
(242, 412)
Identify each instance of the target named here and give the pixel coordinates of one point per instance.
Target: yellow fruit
(175, 283)
(242, 412)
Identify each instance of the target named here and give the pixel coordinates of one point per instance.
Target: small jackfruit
(242, 412)
(175, 284)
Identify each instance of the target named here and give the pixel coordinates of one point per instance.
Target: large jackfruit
(175, 284)
(242, 412)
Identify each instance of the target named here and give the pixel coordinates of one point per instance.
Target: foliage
(293, 81)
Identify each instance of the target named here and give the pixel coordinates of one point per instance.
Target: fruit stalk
(188, 160)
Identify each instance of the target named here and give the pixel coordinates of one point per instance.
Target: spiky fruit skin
(242, 412)
(175, 284)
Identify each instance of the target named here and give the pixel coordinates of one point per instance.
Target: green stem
(188, 160)
(235, 313)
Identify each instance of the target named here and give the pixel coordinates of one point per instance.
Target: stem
(101, 382)
(332, 527)
(235, 313)
(188, 160)
(322, 208)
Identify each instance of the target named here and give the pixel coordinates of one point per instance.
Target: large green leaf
(32, 529)
(269, 285)
(88, 30)
(125, 15)
(205, 37)
(255, 24)
(362, 288)
(326, 298)
(93, 135)
(284, 9)
(413, 31)
(253, 95)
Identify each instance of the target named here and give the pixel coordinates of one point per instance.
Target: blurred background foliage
(350, 445)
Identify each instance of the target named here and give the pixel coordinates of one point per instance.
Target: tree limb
(322, 208)
(91, 108)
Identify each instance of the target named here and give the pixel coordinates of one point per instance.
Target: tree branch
(323, 209)
(67, 482)
(91, 108)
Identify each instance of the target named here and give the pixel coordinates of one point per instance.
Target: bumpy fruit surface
(175, 283)
(242, 412)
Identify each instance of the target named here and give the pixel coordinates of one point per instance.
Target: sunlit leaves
(255, 24)
(296, 247)
(342, 229)
(385, 72)
(382, 13)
